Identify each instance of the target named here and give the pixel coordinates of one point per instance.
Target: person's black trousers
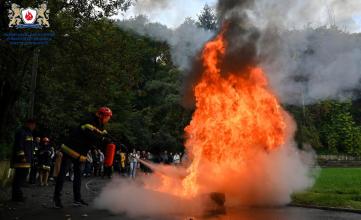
(33, 172)
(18, 181)
(64, 168)
(108, 171)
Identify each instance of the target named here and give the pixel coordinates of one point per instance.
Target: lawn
(334, 187)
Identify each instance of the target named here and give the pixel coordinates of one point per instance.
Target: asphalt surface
(39, 206)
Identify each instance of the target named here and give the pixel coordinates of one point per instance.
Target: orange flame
(236, 117)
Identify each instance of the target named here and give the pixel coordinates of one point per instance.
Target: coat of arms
(29, 17)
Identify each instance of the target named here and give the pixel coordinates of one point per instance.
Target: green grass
(334, 187)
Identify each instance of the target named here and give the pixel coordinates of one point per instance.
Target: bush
(5, 151)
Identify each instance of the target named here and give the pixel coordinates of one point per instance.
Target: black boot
(80, 202)
(58, 204)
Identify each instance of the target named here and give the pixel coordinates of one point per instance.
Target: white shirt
(176, 158)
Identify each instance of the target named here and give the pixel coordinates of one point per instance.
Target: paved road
(38, 206)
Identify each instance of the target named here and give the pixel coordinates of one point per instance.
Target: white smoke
(266, 179)
(290, 14)
(308, 59)
(185, 41)
(135, 200)
(142, 6)
(314, 64)
(310, 56)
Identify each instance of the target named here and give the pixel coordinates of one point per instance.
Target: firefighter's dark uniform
(21, 160)
(75, 148)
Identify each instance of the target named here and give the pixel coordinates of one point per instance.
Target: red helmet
(45, 139)
(104, 111)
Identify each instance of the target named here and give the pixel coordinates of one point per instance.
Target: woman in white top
(176, 159)
(133, 159)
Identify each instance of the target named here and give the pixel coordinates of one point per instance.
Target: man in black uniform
(75, 149)
(22, 158)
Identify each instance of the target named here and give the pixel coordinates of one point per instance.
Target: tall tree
(16, 61)
(207, 19)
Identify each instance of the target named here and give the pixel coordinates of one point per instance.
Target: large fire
(239, 142)
(236, 117)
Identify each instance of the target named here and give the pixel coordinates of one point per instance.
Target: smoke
(266, 179)
(312, 65)
(306, 58)
(137, 200)
(304, 64)
(185, 41)
(142, 6)
(300, 45)
(306, 50)
(299, 14)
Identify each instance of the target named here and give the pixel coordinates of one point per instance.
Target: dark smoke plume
(241, 39)
(240, 35)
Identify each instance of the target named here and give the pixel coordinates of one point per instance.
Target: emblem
(29, 17)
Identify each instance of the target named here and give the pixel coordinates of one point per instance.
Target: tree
(66, 17)
(339, 131)
(329, 126)
(207, 19)
(131, 74)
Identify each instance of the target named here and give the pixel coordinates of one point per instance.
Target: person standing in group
(170, 158)
(34, 161)
(57, 163)
(101, 162)
(88, 164)
(116, 162)
(123, 159)
(108, 169)
(164, 157)
(133, 163)
(96, 161)
(143, 156)
(22, 158)
(45, 152)
(75, 151)
(176, 159)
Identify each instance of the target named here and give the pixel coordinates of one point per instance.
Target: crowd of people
(46, 163)
(84, 153)
(46, 160)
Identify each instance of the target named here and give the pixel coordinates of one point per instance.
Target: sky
(358, 23)
(173, 12)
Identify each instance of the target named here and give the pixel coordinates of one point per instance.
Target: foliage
(207, 19)
(133, 75)
(329, 126)
(90, 63)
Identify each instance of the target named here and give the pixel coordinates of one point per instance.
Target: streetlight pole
(34, 73)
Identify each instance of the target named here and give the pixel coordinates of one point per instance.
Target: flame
(236, 117)
(28, 16)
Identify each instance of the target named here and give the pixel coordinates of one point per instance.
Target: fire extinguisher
(109, 155)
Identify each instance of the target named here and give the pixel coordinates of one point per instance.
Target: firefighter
(75, 150)
(22, 158)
